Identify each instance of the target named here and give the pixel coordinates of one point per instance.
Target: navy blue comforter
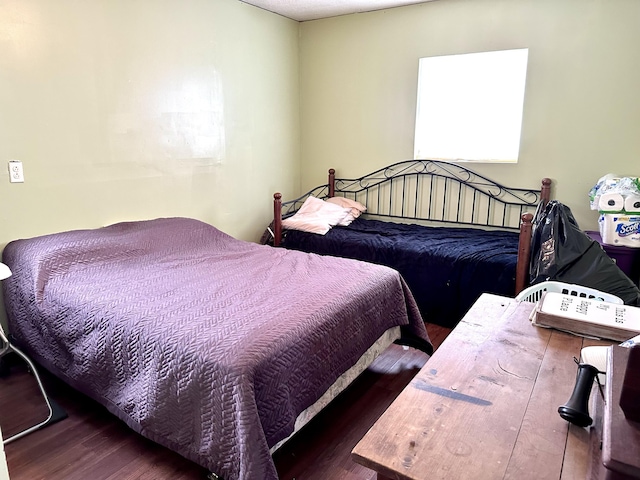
(446, 268)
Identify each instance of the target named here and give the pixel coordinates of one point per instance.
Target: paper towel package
(621, 230)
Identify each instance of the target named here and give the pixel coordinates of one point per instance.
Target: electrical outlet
(16, 173)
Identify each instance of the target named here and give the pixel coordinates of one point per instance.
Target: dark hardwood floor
(92, 443)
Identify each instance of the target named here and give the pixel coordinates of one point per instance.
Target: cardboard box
(620, 230)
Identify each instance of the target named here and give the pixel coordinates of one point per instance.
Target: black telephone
(576, 410)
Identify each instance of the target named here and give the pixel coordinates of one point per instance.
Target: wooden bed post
(332, 183)
(277, 219)
(545, 191)
(524, 250)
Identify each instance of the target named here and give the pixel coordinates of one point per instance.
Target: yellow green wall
(582, 108)
(124, 110)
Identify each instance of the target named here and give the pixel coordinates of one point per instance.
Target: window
(470, 106)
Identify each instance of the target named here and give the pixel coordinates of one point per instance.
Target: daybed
(208, 345)
(484, 246)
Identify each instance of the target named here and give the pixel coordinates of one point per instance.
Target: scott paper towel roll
(632, 204)
(611, 202)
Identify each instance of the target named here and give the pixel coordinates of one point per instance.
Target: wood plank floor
(92, 443)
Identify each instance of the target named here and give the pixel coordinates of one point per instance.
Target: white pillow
(356, 207)
(331, 212)
(346, 221)
(317, 216)
(307, 223)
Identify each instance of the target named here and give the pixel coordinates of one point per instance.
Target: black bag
(562, 252)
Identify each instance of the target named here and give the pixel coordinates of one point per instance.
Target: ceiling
(303, 10)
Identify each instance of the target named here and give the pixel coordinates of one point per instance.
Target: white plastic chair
(534, 292)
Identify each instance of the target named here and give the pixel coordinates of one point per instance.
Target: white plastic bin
(534, 292)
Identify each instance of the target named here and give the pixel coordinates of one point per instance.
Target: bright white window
(470, 106)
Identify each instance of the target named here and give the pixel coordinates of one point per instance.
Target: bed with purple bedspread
(208, 345)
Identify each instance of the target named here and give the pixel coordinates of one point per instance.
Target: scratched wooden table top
(485, 405)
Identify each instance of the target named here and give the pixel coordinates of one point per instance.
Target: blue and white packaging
(620, 229)
(631, 342)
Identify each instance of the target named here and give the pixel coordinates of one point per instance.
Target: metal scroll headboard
(432, 191)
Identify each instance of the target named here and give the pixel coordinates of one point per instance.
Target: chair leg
(56, 413)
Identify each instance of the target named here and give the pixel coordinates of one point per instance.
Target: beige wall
(582, 107)
(123, 110)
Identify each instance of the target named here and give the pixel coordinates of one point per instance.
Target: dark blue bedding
(446, 268)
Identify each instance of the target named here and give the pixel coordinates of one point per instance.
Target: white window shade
(470, 106)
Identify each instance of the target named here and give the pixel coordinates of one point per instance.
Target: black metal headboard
(432, 191)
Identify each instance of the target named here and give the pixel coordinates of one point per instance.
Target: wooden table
(485, 405)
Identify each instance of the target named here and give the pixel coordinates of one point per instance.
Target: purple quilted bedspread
(203, 343)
